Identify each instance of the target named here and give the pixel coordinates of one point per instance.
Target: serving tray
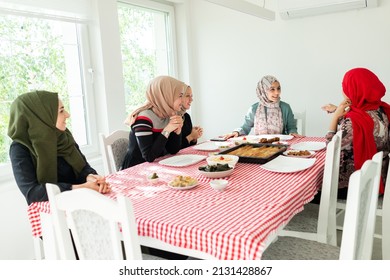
(255, 159)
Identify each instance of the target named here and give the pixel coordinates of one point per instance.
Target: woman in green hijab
(43, 149)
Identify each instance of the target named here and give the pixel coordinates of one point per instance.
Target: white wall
(16, 241)
(231, 51)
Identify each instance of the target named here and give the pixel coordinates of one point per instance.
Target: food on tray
(280, 143)
(153, 176)
(183, 181)
(254, 151)
(215, 168)
(270, 140)
(299, 153)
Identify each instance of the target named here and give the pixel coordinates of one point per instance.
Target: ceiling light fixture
(246, 7)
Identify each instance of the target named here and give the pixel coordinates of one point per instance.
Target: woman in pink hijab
(156, 126)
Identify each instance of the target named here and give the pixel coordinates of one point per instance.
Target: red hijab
(365, 91)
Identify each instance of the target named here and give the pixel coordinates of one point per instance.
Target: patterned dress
(381, 134)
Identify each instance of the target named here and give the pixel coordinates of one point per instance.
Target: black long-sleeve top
(185, 131)
(146, 143)
(26, 177)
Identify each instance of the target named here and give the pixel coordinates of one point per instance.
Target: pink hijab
(161, 94)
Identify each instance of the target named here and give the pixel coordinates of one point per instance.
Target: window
(146, 30)
(42, 54)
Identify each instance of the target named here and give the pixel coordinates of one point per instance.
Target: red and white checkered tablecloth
(229, 225)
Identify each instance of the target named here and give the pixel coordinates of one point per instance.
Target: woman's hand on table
(230, 135)
(95, 182)
(297, 135)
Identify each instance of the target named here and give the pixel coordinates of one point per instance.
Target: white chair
(318, 222)
(386, 219)
(97, 224)
(358, 234)
(341, 211)
(300, 120)
(340, 208)
(114, 148)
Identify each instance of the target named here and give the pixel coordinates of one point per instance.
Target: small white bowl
(223, 159)
(219, 185)
(153, 181)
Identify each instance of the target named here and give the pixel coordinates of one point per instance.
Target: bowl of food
(219, 184)
(153, 178)
(216, 171)
(231, 160)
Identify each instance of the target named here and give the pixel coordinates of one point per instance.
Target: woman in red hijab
(364, 120)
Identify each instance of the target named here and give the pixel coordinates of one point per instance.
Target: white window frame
(169, 9)
(92, 148)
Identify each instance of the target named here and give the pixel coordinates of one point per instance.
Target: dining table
(238, 223)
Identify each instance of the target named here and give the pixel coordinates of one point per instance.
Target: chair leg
(378, 226)
(49, 241)
(38, 248)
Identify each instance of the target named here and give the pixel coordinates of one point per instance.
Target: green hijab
(32, 123)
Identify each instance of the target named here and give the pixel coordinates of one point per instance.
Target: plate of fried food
(311, 146)
(299, 153)
(183, 183)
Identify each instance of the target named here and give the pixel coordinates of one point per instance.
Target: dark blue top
(26, 178)
(146, 143)
(185, 131)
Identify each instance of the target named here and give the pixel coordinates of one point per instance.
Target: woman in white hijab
(270, 115)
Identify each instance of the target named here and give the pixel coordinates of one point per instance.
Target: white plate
(224, 145)
(282, 137)
(286, 153)
(245, 139)
(280, 143)
(183, 188)
(217, 174)
(182, 160)
(284, 164)
(206, 146)
(310, 146)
